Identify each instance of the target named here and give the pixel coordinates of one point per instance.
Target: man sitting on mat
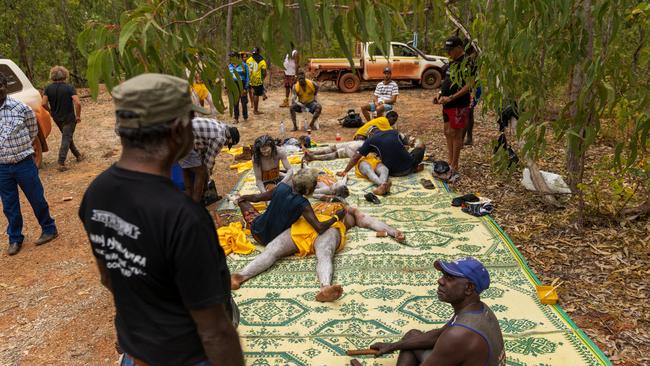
(471, 337)
(266, 164)
(303, 239)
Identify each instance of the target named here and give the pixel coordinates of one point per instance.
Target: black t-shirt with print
(163, 258)
(59, 95)
(450, 87)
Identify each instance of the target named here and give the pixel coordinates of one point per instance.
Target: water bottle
(338, 137)
(304, 124)
(282, 129)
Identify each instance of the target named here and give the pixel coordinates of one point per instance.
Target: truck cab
(20, 88)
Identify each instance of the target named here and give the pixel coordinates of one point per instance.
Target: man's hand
(341, 173)
(78, 120)
(341, 213)
(436, 99)
(444, 100)
(383, 348)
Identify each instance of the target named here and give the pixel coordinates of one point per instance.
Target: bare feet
(235, 281)
(399, 236)
(383, 189)
(329, 293)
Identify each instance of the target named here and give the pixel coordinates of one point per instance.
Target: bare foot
(399, 236)
(258, 112)
(389, 184)
(235, 281)
(329, 293)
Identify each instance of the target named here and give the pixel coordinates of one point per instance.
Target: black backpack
(351, 120)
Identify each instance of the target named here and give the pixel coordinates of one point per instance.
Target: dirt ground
(53, 309)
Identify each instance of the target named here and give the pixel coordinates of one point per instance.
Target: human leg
(365, 110)
(66, 137)
(11, 203)
(295, 108)
(457, 143)
(384, 187)
(380, 110)
(235, 111)
(410, 357)
(325, 248)
(449, 140)
(368, 222)
(470, 127)
(366, 169)
(316, 111)
(244, 105)
(281, 246)
(30, 183)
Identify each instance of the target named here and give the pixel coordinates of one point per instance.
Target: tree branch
(204, 15)
(454, 19)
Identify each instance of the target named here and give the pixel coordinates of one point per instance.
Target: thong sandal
(370, 197)
(426, 183)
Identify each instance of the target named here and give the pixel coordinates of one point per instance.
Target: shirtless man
(333, 152)
(266, 164)
(471, 337)
(302, 240)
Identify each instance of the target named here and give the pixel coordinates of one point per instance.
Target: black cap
(453, 42)
(256, 50)
(387, 70)
(234, 136)
(232, 54)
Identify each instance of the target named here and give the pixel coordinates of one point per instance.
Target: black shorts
(258, 90)
(417, 155)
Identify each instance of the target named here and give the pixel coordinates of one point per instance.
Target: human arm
(464, 90)
(200, 181)
(316, 87)
(257, 170)
(77, 107)
(30, 122)
(294, 97)
(218, 336)
(320, 227)
(213, 109)
(45, 102)
(247, 76)
(353, 161)
(287, 166)
(263, 69)
(260, 197)
(426, 340)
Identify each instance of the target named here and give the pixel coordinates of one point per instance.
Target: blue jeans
(128, 361)
(23, 174)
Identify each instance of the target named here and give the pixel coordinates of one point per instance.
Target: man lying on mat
(471, 337)
(302, 240)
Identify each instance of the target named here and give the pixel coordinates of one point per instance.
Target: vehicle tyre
(349, 83)
(431, 79)
(38, 152)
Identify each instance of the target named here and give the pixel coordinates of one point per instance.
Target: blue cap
(469, 268)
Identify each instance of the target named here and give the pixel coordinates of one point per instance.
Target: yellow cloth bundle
(304, 235)
(234, 151)
(233, 239)
(201, 91)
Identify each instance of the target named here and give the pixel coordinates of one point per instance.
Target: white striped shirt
(386, 91)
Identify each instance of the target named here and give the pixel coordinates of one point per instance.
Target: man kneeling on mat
(302, 239)
(471, 337)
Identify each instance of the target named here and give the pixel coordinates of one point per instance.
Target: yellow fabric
(327, 208)
(234, 151)
(380, 122)
(327, 179)
(306, 95)
(304, 235)
(371, 159)
(248, 165)
(201, 91)
(232, 238)
(256, 70)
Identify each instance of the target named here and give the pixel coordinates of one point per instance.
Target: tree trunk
(71, 49)
(23, 52)
(228, 29)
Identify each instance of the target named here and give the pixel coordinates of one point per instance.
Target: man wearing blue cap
(471, 337)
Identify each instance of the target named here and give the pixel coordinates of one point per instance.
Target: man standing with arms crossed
(157, 251)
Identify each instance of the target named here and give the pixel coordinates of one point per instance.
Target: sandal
(426, 183)
(370, 197)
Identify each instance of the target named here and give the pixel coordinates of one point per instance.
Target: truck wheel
(431, 79)
(38, 153)
(349, 83)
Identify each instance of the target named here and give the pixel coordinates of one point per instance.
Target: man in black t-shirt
(392, 152)
(62, 101)
(455, 99)
(157, 251)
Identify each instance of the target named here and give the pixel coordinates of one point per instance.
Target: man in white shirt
(291, 62)
(385, 96)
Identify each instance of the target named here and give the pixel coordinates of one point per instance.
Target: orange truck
(407, 63)
(20, 88)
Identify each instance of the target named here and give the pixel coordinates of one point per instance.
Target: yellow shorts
(371, 159)
(304, 235)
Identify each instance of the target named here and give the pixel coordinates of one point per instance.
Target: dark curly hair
(264, 140)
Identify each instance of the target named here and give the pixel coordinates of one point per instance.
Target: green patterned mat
(391, 288)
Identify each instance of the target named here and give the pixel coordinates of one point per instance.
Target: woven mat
(390, 288)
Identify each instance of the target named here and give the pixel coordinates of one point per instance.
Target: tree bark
(71, 49)
(23, 52)
(228, 30)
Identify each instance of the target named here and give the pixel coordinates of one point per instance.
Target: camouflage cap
(152, 99)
